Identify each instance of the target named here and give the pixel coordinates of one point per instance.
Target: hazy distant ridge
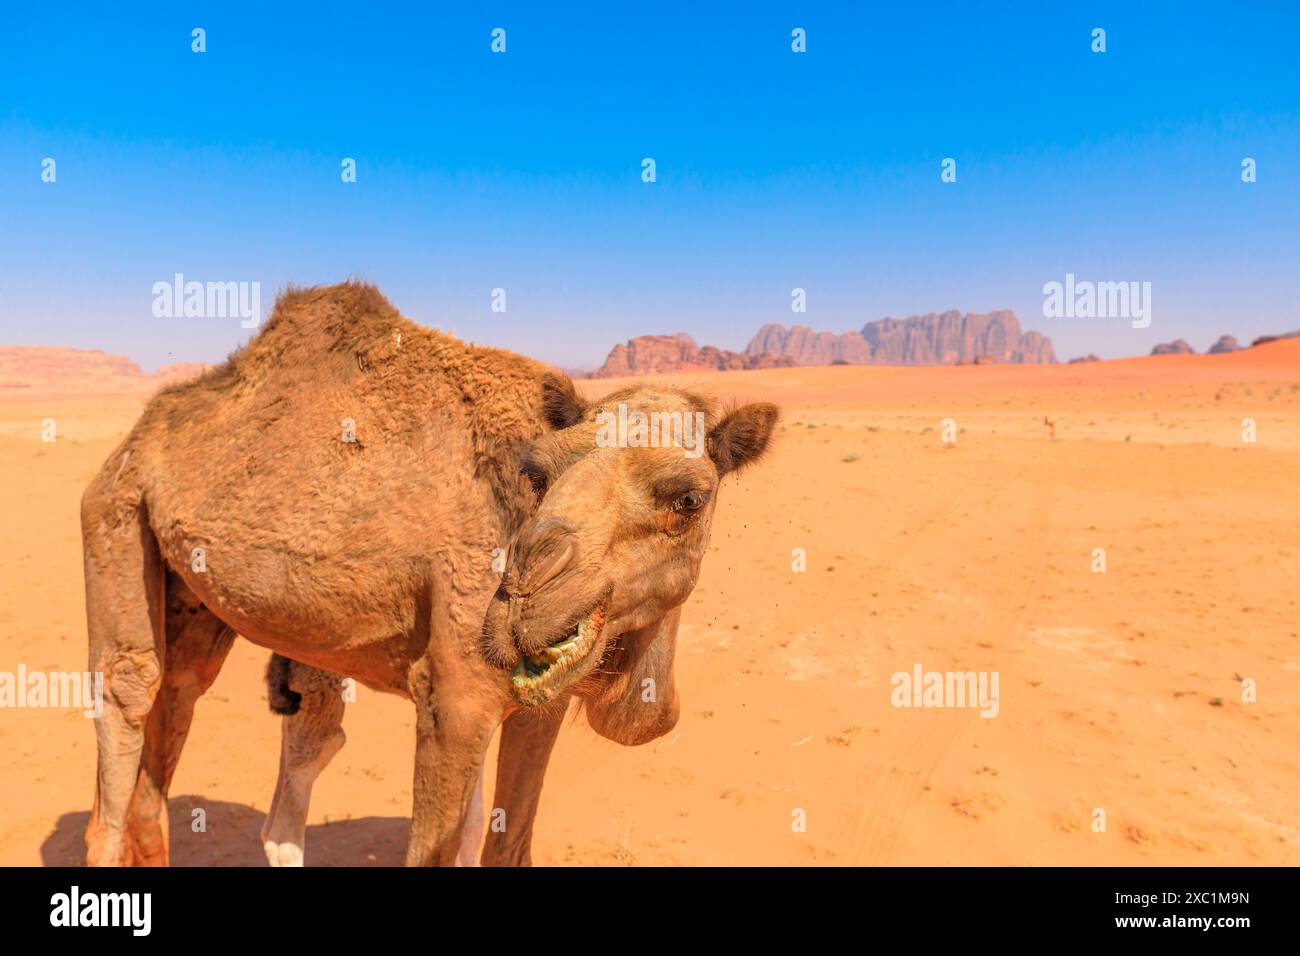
(939, 338)
(48, 367)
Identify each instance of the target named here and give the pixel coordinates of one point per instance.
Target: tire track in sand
(889, 799)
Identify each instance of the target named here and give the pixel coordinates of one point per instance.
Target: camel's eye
(690, 502)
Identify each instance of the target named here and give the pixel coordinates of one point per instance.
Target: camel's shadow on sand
(231, 838)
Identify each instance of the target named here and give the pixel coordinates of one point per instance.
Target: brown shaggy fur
(337, 492)
(283, 699)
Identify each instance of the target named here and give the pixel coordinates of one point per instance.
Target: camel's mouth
(539, 677)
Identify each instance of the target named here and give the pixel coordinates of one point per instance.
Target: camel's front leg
(451, 740)
(471, 837)
(311, 701)
(527, 738)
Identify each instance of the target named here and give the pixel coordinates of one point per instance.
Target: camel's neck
(495, 387)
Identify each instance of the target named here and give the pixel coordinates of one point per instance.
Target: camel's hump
(340, 316)
(324, 336)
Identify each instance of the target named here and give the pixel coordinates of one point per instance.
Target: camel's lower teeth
(557, 656)
(554, 652)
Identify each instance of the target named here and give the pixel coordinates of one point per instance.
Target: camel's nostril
(544, 554)
(549, 562)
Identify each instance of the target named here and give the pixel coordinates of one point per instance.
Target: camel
(311, 702)
(339, 492)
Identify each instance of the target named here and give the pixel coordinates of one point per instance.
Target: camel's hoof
(282, 854)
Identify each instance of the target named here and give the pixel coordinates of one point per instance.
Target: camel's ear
(561, 406)
(742, 436)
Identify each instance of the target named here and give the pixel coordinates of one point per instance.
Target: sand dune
(1118, 691)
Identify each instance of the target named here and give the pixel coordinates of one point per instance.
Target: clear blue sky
(775, 170)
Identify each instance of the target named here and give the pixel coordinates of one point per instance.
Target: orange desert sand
(1119, 690)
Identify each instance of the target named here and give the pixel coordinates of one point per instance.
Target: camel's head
(626, 488)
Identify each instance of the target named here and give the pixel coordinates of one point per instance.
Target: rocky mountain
(806, 347)
(178, 372)
(939, 338)
(1176, 347)
(1265, 339)
(1226, 343)
(657, 354)
(54, 368)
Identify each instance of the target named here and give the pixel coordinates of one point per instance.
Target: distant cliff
(656, 354)
(1176, 347)
(940, 338)
(41, 367)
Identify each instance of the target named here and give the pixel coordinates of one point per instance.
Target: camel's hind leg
(197, 644)
(124, 616)
(311, 734)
